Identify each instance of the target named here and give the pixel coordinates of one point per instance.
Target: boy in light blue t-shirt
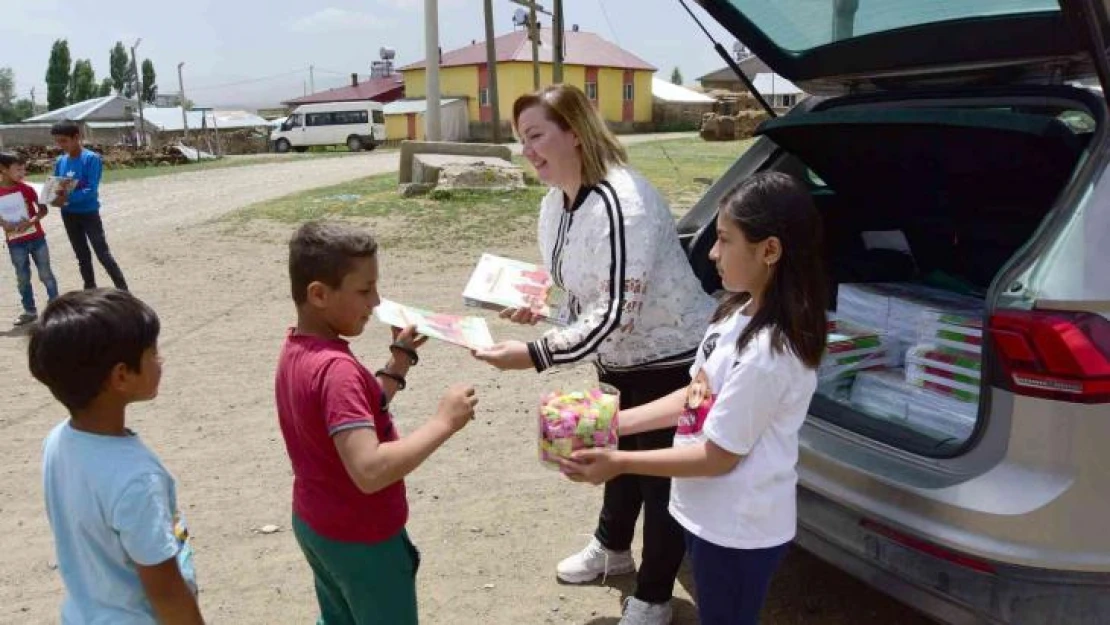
(122, 548)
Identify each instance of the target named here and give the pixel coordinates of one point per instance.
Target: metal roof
(773, 84)
(670, 92)
(372, 89)
(404, 107)
(108, 108)
(169, 119)
(582, 48)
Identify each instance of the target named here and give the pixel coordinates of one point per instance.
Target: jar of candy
(569, 421)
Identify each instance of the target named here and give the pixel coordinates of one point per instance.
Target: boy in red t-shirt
(20, 215)
(349, 506)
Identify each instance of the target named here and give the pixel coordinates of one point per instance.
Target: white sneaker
(638, 612)
(593, 562)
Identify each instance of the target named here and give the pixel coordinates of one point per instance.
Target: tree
(82, 83)
(22, 109)
(130, 84)
(7, 86)
(150, 89)
(676, 76)
(119, 64)
(57, 75)
(106, 87)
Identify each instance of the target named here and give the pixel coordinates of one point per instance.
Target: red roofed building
(379, 89)
(617, 81)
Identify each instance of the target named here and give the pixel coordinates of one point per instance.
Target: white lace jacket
(634, 300)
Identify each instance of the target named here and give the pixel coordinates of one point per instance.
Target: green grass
(134, 173)
(463, 219)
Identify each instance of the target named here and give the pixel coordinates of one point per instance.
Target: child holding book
(349, 461)
(735, 453)
(25, 236)
(81, 205)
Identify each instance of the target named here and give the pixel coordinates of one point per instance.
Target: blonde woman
(638, 312)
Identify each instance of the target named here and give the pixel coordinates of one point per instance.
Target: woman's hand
(524, 316)
(506, 356)
(594, 466)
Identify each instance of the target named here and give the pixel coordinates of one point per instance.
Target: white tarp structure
(670, 92)
(454, 120)
(169, 119)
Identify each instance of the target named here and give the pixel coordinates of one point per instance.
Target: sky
(237, 54)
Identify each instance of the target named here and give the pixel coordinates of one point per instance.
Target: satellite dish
(520, 17)
(740, 50)
(387, 54)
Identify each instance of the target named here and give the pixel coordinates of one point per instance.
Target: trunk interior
(924, 201)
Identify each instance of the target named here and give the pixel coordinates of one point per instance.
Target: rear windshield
(799, 25)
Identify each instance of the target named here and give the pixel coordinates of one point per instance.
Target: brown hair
(569, 108)
(322, 251)
(777, 205)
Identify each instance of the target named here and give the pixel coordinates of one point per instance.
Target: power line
(612, 31)
(249, 81)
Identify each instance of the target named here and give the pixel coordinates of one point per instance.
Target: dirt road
(490, 520)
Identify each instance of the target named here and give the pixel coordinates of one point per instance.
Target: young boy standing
(349, 462)
(122, 546)
(81, 206)
(26, 238)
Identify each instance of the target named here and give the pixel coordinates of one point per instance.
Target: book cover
(469, 332)
(53, 185)
(499, 283)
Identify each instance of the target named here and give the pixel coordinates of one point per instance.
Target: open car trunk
(923, 205)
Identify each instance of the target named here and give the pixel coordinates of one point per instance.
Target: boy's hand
(456, 407)
(595, 466)
(524, 316)
(60, 198)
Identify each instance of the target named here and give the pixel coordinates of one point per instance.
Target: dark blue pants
(731, 584)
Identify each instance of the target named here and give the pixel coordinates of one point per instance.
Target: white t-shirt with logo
(751, 404)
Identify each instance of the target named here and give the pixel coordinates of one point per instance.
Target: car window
(379, 117)
(318, 119)
(799, 25)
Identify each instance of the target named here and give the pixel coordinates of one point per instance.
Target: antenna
(740, 51)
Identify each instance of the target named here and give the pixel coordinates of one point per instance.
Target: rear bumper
(943, 589)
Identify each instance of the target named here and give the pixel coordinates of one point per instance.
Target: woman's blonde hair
(569, 108)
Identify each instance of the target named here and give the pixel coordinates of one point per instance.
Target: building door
(591, 86)
(628, 97)
(485, 107)
(411, 119)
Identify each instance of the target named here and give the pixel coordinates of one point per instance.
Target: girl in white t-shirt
(734, 456)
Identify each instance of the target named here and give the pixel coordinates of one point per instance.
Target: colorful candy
(577, 420)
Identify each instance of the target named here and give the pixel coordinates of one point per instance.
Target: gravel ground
(490, 520)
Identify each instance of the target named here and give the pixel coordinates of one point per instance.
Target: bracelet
(399, 379)
(406, 350)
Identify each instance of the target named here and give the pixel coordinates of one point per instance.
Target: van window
(379, 117)
(349, 117)
(318, 119)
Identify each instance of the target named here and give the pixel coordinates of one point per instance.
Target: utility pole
(491, 73)
(181, 90)
(139, 94)
(431, 71)
(35, 106)
(557, 43)
(534, 35)
(312, 78)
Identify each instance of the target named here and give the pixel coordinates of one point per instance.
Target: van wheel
(282, 146)
(354, 144)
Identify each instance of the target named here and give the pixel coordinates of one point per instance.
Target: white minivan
(358, 125)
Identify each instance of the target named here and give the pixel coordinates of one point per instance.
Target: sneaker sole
(589, 577)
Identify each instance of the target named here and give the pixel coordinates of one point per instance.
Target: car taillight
(1063, 356)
